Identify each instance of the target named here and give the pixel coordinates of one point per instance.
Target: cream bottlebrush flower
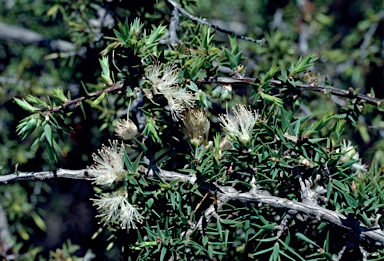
(178, 100)
(196, 126)
(115, 208)
(241, 124)
(161, 78)
(350, 153)
(126, 129)
(109, 164)
(164, 82)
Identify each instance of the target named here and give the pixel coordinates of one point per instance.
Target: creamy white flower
(126, 129)
(240, 125)
(109, 164)
(162, 78)
(348, 150)
(178, 100)
(115, 208)
(164, 82)
(350, 153)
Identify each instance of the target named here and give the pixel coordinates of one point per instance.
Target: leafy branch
(300, 87)
(45, 123)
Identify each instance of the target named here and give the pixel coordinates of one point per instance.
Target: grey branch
(228, 193)
(174, 41)
(301, 87)
(205, 22)
(44, 175)
(317, 212)
(84, 174)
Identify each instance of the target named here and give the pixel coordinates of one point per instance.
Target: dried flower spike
(196, 126)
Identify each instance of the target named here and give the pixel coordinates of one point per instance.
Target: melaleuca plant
(209, 164)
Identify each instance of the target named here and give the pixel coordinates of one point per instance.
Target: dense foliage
(210, 146)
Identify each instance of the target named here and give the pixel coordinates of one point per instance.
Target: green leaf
(268, 227)
(229, 222)
(48, 133)
(286, 246)
(262, 219)
(267, 239)
(304, 238)
(302, 65)
(23, 233)
(275, 100)
(54, 9)
(275, 252)
(25, 105)
(219, 228)
(262, 251)
(136, 164)
(193, 86)
(353, 203)
(316, 140)
(204, 240)
(231, 58)
(110, 245)
(143, 182)
(326, 242)
(98, 100)
(163, 252)
(150, 202)
(210, 252)
(349, 163)
(272, 71)
(56, 146)
(156, 34)
(51, 153)
(38, 221)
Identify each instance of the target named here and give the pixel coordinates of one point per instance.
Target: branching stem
(300, 87)
(227, 193)
(205, 22)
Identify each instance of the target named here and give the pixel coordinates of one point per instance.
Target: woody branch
(227, 193)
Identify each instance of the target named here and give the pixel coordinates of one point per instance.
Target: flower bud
(126, 129)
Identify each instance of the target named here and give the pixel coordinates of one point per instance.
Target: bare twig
(173, 27)
(308, 195)
(85, 174)
(173, 40)
(44, 175)
(227, 193)
(364, 253)
(340, 254)
(301, 87)
(284, 223)
(318, 212)
(205, 22)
